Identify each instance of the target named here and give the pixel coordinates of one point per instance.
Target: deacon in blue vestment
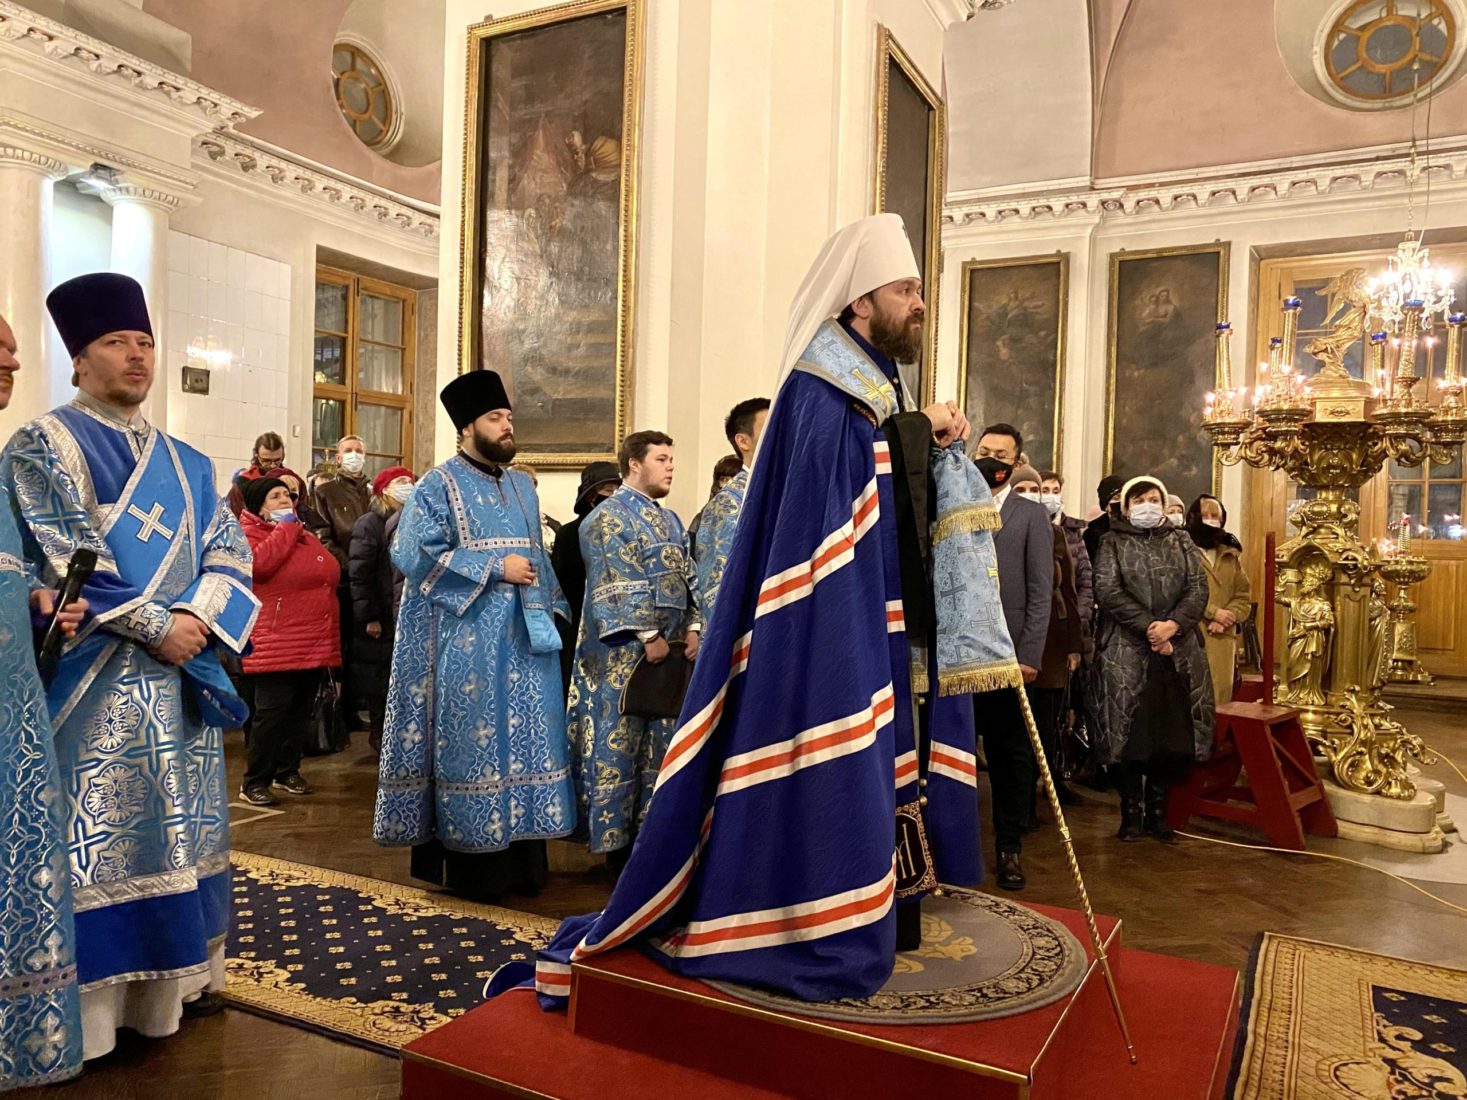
(641, 595)
(474, 770)
(139, 697)
(40, 1006)
(721, 514)
(823, 775)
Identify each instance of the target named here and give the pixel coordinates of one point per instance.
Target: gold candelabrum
(1400, 568)
(1331, 433)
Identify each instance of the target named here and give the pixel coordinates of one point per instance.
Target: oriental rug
(1324, 1022)
(981, 957)
(370, 962)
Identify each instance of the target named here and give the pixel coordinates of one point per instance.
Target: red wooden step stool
(1283, 794)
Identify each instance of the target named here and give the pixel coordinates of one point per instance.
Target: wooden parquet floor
(1197, 900)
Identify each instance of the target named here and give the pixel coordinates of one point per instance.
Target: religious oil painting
(910, 169)
(1164, 309)
(550, 173)
(1013, 349)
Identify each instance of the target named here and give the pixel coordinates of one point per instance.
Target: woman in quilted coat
(295, 637)
(1155, 691)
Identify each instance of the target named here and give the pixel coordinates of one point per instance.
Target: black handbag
(657, 691)
(326, 732)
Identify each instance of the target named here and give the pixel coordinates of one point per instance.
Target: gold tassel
(968, 518)
(919, 680)
(971, 681)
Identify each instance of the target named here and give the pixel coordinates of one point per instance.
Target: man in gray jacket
(1025, 546)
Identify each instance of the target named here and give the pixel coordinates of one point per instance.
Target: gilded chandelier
(1331, 433)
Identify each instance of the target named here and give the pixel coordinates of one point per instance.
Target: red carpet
(1182, 1017)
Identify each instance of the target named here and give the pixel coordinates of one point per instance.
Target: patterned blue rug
(367, 961)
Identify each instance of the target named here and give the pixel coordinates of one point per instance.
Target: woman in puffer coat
(1152, 591)
(374, 595)
(295, 637)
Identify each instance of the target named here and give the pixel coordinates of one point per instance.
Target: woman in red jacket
(295, 637)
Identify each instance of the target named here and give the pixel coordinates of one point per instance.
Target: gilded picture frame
(1011, 349)
(549, 245)
(1164, 307)
(912, 185)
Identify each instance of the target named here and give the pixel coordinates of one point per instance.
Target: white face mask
(400, 492)
(1147, 515)
(1052, 502)
(1213, 522)
(1175, 518)
(353, 462)
(279, 514)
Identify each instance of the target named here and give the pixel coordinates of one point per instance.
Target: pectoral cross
(151, 522)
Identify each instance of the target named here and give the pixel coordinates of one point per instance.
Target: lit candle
(1405, 544)
(1455, 324)
(1292, 306)
(1406, 360)
(1377, 358)
(1224, 334)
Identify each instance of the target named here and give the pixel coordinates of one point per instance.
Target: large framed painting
(1012, 351)
(549, 226)
(910, 173)
(1164, 308)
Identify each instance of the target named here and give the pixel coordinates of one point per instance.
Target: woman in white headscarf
(1155, 692)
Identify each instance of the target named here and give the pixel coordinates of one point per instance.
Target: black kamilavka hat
(91, 306)
(471, 395)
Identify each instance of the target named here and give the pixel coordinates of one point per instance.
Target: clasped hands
(1160, 635)
(657, 649)
(948, 422)
(1222, 622)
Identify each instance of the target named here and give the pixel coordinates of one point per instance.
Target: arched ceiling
(276, 55)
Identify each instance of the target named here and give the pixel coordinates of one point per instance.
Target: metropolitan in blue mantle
(822, 776)
(474, 770)
(139, 697)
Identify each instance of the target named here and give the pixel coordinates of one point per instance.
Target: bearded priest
(475, 768)
(139, 699)
(822, 776)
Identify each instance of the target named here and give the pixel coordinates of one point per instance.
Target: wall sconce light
(98, 180)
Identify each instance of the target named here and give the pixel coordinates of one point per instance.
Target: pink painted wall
(276, 55)
(1202, 83)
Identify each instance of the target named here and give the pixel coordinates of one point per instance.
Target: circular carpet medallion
(982, 957)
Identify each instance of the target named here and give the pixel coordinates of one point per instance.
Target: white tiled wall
(226, 300)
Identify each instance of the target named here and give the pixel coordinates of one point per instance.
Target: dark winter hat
(255, 492)
(471, 395)
(91, 306)
(594, 475)
(1110, 485)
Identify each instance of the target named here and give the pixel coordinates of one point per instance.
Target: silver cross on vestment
(150, 522)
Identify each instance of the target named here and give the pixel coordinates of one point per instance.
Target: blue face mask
(279, 515)
(1147, 515)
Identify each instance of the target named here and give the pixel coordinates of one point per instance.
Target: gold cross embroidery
(877, 390)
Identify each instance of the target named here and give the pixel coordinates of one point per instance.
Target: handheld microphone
(78, 572)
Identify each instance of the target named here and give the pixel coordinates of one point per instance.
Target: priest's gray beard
(897, 338)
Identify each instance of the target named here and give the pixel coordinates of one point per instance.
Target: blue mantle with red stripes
(767, 855)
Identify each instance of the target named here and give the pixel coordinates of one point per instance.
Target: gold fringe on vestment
(972, 680)
(970, 517)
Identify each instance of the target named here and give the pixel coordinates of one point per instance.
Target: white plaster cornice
(949, 12)
(139, 195)
(78, 151)
(45, 38)
(1302, 179)
(318, 190)
(36, 162)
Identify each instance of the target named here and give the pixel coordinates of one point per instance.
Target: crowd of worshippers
(521, 679)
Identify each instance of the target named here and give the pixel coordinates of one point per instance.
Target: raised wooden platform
(636, 1030)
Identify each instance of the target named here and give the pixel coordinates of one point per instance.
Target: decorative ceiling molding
(317, 186)
(80, 152)
(39, 163)
(949, 12)
(136, 194)
(1305, 181)
(46, 37)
